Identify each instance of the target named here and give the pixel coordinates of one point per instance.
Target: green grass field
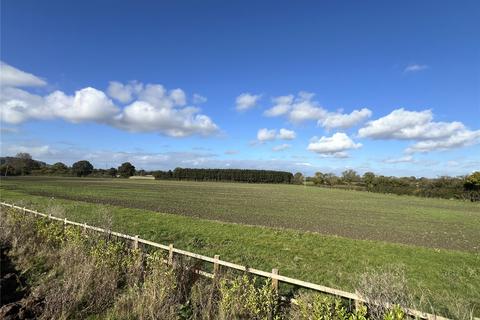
(436, 223)
(435, 241)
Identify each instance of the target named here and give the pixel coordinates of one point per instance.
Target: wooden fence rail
(274, 275)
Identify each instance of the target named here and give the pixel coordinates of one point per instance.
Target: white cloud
(246, 101)
(142, 116)
(399, 124)
(305, 110)
(152, 109)
(35, 151)
(198, 99)
(281, 147)
(344, 121)
(178, 96)
(303, 107)
(336, 145)
(286, 134)
(265, 134)
(12, 77)
(124, 92)
(17, 106)
(419, 126)
(459, 139)
(415, 68)
(403, 159)
(298, 109)
(281, 106)
(157, 95)
(304, 164)
(87, 104)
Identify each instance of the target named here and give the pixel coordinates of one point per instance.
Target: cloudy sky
(302, 86)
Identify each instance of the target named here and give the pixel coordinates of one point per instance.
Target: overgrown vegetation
(76, 275)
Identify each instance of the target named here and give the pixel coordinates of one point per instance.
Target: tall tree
(472, 182)
(298, 178)
(319, 178)
(350, 176)
(126, 170)
(23, 156)
(82, 168)
(331, 179)
(59, 168)
(368, 178)
(24, 164)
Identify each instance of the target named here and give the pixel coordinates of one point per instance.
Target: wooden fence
(274, 275)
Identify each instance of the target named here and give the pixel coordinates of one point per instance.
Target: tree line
(234, 175)
(462, 187)
(23, 164)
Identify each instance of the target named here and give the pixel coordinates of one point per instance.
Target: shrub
(243, 298)
(316, 306)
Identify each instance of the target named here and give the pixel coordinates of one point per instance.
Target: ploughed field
(435, 223)
(436, 242)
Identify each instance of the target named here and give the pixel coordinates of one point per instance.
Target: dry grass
(388, 287)
(381, 288)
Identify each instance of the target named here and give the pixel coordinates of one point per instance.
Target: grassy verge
(448, 278)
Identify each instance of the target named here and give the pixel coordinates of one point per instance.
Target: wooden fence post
(135, 243)
(358, 304)
(275, 281)
(84, 227)
(24, 210)
(64, 224)
(170, 254)
(216, 266)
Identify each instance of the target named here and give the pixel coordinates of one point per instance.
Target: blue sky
(372, 85)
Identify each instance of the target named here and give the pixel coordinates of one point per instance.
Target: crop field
(435, 223)
(330, 237)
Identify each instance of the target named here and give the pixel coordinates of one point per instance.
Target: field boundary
(274, 275)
